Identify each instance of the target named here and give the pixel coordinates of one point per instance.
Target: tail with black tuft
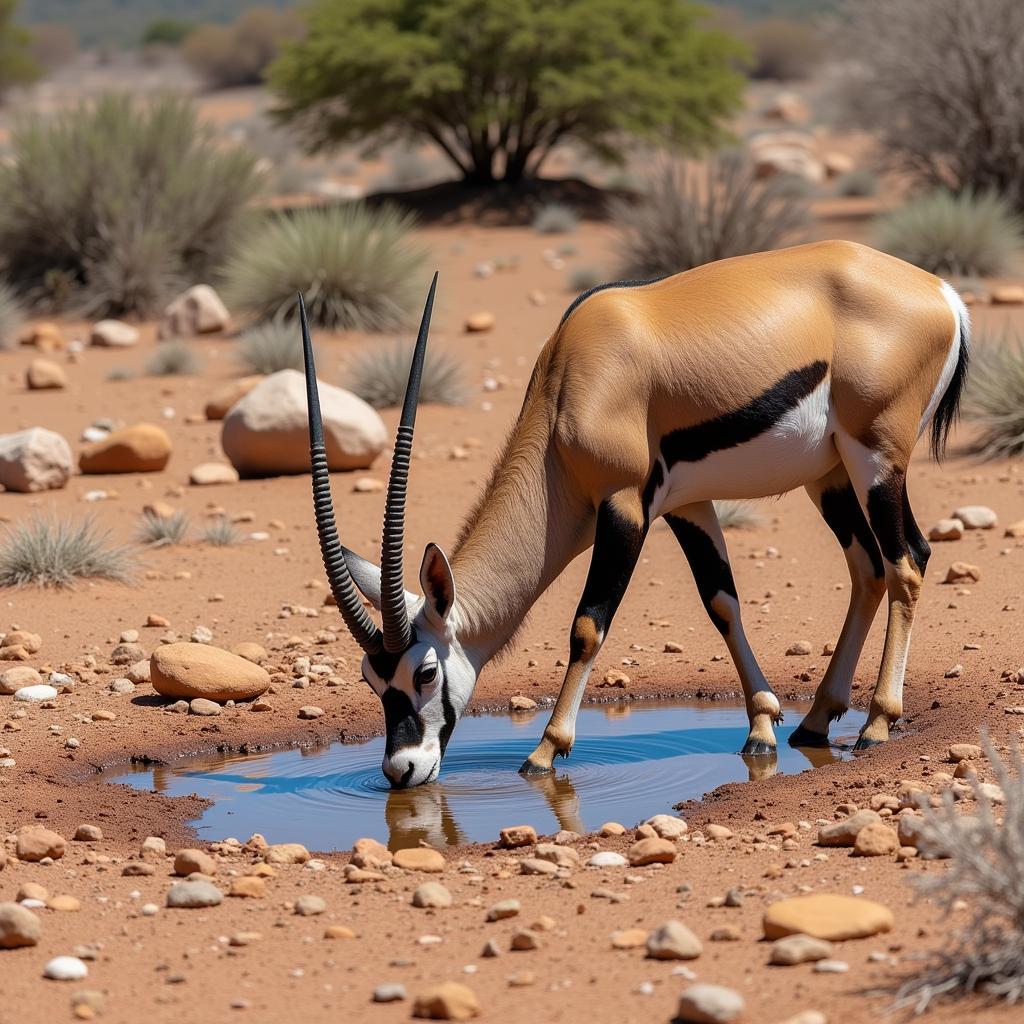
(948, 410)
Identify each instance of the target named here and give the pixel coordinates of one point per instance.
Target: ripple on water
(629, 762)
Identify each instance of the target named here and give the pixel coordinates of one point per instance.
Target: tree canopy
(496, 84)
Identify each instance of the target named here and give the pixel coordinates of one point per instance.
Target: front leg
(621, 528)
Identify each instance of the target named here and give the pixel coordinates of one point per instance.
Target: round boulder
(199, 670)
(18, 926)
(267, 432)
(34, 460)
(45, 375)
(140, 448)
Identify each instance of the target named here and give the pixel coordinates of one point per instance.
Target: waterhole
(630, 761)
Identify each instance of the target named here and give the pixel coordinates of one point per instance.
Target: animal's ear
(438, 585)
(365, 575)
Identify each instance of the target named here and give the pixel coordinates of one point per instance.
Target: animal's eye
(426, 675)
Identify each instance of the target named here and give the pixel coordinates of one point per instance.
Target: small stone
(800, 648)
(65, 968)
(667, 826)
(503, 909)
(831, 967)
(559, 855)
(311, 711)
(607, 859)
(536, 866)
(310, 906)
(369, 853)
(1015, 529)
(207, 474)
(955, 672)
(153, 847)
(45, 375)
(188, 862)
(673, 941)
(448, 1001)
(651, 851)
(491, 949)
(432, 895)
(1008, 295)
(18, 926)
(523, 940)
(36, 694)
(965, 752)
(419, 858)
(611, 828)
(844, 833)
(517, 702)
(518, 835)
(875, 840)
(946, 529)
(192, 895)
(286, 853)
(960, 571)
(338, 931)
(718, 832)
(389, 993)
(248, 887)
(88, 834)
(204, 708)
(709, 1004)
(976, 517)
(799, 949)
(629, 938)
(15, 679)
(479, 322)
(827, 916)
(33, 844)
(64, 904)
(138, 869)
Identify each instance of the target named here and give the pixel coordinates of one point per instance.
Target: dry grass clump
(582, 278)
(54, 553)
(994, 398)
(221, 533)
(555, 219)
(119, 373)
(12, 316)
(270, 347)
(986, 870)
(355, 266)
(379, 377)
(173, 359)
(690, 215)
(860, 182)
(162, 531)
(965, 234)
(738, 515)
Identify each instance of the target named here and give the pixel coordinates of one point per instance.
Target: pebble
(523, 939)
(203, 707)
(419, 858)
(310, 906)
(965, 752)
(651, 851)
(799, 648)
(447, 1001)
(17, 678)
(338, 931)
(709, 1004)
(192, 895)
(389, 993)
(311, 711)
(831, 967)
(64, 904)
(607, 859)
(88, 834)
(976, 517)
(65, 968)
(286, 853)
(826, 916)
(667, 826)
(503, 909)
(559, 855)
(960, 571)
(517, 835)
(517, 702)
(673, 941)
(369, 853)
(36, 694)
(629, 938)
(875, 840)
(844, 833)
(611, 828)
(536, 866)
(248, 886)
(799, 949)
(946, 529)
(18, 926)
(432, 895)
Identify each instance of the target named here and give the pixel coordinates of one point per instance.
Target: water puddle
(630, 761)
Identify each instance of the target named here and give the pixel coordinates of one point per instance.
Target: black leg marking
(845, 518)
(691, 444)
(801, 737)
(711, 572)
(885, 513)
(920, 549)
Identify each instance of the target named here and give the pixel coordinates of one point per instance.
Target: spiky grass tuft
(974, 234)
(555, 219)
(985, 870)
(355, 266)
(738, 515)
(173, 359)
(860, 182)
(12, 316)
(270, 347)
(379, 376)
(54, 553)
(994, 397)
(161, 531)
(582, 278)
(221, 533)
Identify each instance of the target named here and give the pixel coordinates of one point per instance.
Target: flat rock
(113, 334)
(844, 833)
(209, 473)
(827, 916)
(517, 702)
(960, 571)
(33, 460)
(976, 517)
(673, 941)
(651, 851)
(946, 529)
(668, 826)
(389, 993)
(562, 856)
(447, 1001)
(192, 895)
(140, 448)
(799, 949)
(248, 887)
(200, 670)
(432, 895)
(503, 909)
(18, 926)
(36, 694)
(709, 1004)
(518, 835)
(629, 938)
(607, 859)
(537, 866)
(203, 707)
(965, 752)
(419, 858)
(309, 906)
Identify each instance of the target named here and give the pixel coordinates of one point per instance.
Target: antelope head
(414, 661)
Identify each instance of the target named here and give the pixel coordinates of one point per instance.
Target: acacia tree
(496, 84)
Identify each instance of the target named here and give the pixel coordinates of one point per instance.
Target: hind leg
(880, 481)
(837, 502)
(697, 529)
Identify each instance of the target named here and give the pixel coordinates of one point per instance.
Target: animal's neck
(528, 526)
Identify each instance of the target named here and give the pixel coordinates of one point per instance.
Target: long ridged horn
(397, 631)
(363, 629)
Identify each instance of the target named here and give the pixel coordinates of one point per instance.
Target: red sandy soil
(176, 964)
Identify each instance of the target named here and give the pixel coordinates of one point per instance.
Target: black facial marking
(450, 717)
(711, 571)
(920, 549)
(602, 287)
(384, 664)
(885, 513)
(691, 444)
(842, 512)
(402, 726)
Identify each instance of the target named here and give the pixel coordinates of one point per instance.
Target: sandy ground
(178, 965)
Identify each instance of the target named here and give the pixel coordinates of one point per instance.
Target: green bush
(270, 347)
(173, 359)
(688, 216)
(994, 397)
(961, 235)
(12, 316)
(355, 266)
(555, 219)
(379, 377)
(166, 32)
(118, 204)
(54, 553)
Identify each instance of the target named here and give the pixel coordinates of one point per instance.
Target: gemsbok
(817, 366)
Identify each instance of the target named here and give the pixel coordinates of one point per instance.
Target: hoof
(802, 737)
(757, 748)
(864, 743)
(529, 767)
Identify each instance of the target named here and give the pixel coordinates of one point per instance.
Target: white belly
(798, 449)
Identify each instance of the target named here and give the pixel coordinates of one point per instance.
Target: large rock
(14, 679)
(844, 833)
(221, 401)
(18, 926)
(976, 517)
(45, 375)
(267, 432)
(196, 311)
(34, 844)
(113, 334)
(673, 941)
(199, 670)
(827, 916)
(34, 460)
(140, 448)
(709, 1004)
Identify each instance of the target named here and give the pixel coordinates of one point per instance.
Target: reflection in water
(624, 767)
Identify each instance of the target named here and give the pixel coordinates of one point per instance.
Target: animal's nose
(398, 771)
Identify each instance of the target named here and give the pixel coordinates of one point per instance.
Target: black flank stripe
(691, 444)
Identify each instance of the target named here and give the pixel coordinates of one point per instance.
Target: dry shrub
(690, 215)
(270, 347)
(986, 870)
(161, 531)
(12, 316)
(238, 54)
(221, 533)
(994, 398)
(379, 377)
(583, 277)
(555, 219)
(784, 50)
(738, 515)
(173, 359)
